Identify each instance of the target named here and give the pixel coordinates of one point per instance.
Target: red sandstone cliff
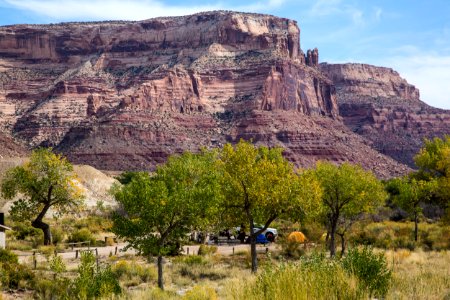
(125, 95)
(378, 104)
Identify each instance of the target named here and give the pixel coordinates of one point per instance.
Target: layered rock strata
(384, 108)
(125, 95)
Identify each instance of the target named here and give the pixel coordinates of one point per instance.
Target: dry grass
(416, 275)
(419, 274)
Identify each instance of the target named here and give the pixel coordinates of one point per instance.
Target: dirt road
(118, 250)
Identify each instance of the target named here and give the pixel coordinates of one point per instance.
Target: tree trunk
(342, 244)
(37, 223)
(45, 229)
(333, 238)
(416, 226)
(160, 272)
(253, 249)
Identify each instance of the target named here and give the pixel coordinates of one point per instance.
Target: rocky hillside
(94, 183)
(378, 104)
(125, 95)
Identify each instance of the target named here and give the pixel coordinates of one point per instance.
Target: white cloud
(358, 15)
(378, 13)
(322, 8)
(62, 10)
(429, 72)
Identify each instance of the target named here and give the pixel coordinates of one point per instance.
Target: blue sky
(411, 36)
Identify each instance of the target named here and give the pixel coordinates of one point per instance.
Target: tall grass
(420, 275)
(311, 278)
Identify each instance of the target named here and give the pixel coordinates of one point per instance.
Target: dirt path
(118, 250)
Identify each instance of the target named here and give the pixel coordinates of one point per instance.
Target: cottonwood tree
(46, 181)
(409, 194)
(260, 185)
(157, 212)
(433, 162)
(348, 192)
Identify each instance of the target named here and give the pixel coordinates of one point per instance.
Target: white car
(270, 233)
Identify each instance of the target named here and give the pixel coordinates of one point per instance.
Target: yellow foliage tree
(45, 182)
(260, 185)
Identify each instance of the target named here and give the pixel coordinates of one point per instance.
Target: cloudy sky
(411, 36)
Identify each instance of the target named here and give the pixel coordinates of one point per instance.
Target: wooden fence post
(34, 260)
(96, 255)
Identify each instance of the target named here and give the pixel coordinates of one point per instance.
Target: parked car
(270, 233)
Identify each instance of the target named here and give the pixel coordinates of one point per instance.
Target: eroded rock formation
(378, 104)
(125, 95)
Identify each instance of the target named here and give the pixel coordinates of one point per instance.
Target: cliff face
(125, 95)
(378, 104)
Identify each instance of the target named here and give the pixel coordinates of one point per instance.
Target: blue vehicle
(262, 239)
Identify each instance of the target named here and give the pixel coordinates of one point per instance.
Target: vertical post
(96, 255)
(34, 260)
(187, 250)
(115, 251)
(267, 250)
(76, 253)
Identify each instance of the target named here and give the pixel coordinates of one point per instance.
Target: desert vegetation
(393, 236)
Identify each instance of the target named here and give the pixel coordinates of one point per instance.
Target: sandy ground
(70, 255)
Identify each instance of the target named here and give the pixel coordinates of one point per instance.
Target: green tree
(260, 185)
(409, 193)
(433, 162)
(126, 177)
(45, 182)
(157, 212)
(348, 192)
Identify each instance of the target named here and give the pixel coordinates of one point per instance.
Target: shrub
(191, 260)
(57, 235)
(313, 231)
(95, 224)
(311, 278)
(201, 293)
(82, 235)
(109, 241)
(12, 274)
(130, 270)
(57, 264)
(395, 235)
(207, 250)
(370, 268)
(47, 251)
(22, 230)
(7, 256)
(58, 288)
(92, 282)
